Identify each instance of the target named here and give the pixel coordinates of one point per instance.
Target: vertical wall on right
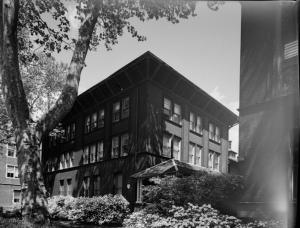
(269, 110)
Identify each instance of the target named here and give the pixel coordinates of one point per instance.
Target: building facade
(10, 189)
(269, 110)
(141, 116)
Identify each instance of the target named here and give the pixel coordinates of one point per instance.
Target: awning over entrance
(171, 166)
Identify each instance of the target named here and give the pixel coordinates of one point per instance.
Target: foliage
(199, 188)
(101, 209)
(19, 223)
(192, 216)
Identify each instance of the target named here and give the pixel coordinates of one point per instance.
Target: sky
(205, 49)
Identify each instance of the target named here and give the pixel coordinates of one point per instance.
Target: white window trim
(13, 193)
(15, 167)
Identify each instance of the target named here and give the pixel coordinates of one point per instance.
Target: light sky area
(205, 49)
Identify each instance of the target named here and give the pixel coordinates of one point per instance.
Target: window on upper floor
(125, 108)
(86, 154)
(115, 147)
(87, 125)
(195, 123)
(214, 133)
(99, 151)
(12, 171)
(93, 153)
(116, 150)
(101, 118)
(94, 121)
(11, 152)
(116, 112)
(172, 111)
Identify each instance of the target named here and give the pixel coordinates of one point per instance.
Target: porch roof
(169, 167)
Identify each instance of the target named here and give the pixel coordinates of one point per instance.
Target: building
(10, 189)
(142, 115)
(232, 160)
(269, 110)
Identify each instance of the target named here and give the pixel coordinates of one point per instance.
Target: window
(166, 146)
(86, 186)
(199, 125)
(73, 131)
(53, 164)
(192, 121)
(94, 121)
(97, 185)
(211, 132)
(214, 161)
(125, 107)
(115, 147)
(87, 127)
(93, 153)
(86, 153)
(61, 187)
(177, 113)
(191, 152)
(167, 108)
(62, 161)
(71, 159)
(68, 136)
(67, 160)
(124, 145)
(118, 179)
(16, 196)
(11, 152)
(116, 111)
(210, 160)
(12, 171)
(214, 133)
(101, 118)
(176, 148)
(198, 155)
(69, 187)
(217, 135)
(100, 151)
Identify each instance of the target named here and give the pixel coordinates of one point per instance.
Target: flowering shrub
(99, 210)
(199, 188)
(191, 216)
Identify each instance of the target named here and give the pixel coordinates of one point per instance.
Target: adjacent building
(142, 115)
(269, 110)
(10, 189)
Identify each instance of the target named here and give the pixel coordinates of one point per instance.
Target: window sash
(192, 121)
(94, 121)
(11, 153)
(191, 153)
(199, 125)
(100, 151)
(177, 113)
(125, 108)
(167, 108)
(166, 146)
(115, 147)
(116, 111)
(198, 155)
(93, 153)
(87, 127)
(118, 182)
(97, 180)
(86, 155)
(16, 196)
(124, 145)
(101, 118)
(210, 160)
(176, 149)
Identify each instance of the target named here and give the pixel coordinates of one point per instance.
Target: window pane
(86, 155)
(94, 121)
(176, 149)
(93, 153)
(100, 151)
(101, 118)
(199, 125)
(166, 146)
(198, 155)
(73, 131)
(192, 121)
(118, 179)
(115, 147)
(116, 111)
(177, 112)
(124, 141)
(217, 135)
(87, 125)
(210, 160)
(191, 153)
(97, 185)
(216, 161)
(211, 132)
(125, 107)
(167, 104)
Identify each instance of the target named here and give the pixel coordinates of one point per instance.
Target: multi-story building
(269, 109)
(142, 115)
(10, 189)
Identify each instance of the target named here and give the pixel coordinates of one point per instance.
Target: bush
(191, 216)
(18, 223)
(200, 188)
(101, 209)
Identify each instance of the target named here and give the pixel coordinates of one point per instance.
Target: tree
(101, 21)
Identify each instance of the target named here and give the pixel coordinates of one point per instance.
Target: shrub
(101, 209)
(200, 188)
(18, 223)
(191, 216)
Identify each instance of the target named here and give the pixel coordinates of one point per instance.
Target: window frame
(198, 158)
(13, 153)
(94, 122)
(116, 111)
(170, 114)
(15, 172)
(98, 153)
(13, 198)
(192, 153)
(86, 156)
(213, 134)
(113, 153)
(101, 118)
(86, 186)
(179, 148)
(168, 147)
(123, 145)
(96, 185)
(124, 109)
(118, 188)
(93, 154)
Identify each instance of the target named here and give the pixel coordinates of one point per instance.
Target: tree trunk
(29, 135)
(33, 190)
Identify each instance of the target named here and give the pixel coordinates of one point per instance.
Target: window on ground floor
(97, 185)
(16, 196)
(118, 181)
(86, 186)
